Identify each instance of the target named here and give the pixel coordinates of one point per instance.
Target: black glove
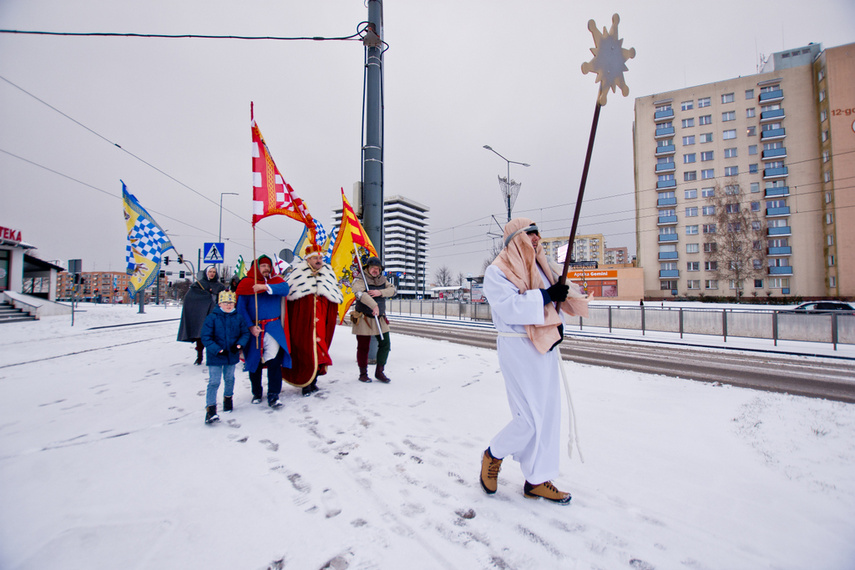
(234, 348)
(558, 292)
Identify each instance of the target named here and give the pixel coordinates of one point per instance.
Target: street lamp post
(220, 232)
(509, 203)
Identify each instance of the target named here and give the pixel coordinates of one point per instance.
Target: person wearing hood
(261, 296)
(369, 310)
(523, 290)
(313, 302)
(200, 300)
(224, 334)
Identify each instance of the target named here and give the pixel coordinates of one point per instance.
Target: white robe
(532, 381)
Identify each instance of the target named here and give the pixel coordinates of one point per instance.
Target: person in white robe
(523, 290)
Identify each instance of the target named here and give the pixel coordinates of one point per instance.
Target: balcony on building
(777, 212)
(669, 273)
(784, 231)
(770, 173)
(773, 134)
(666, 202)
(779, 251)
(663, 115)
(774, 153)
(667, 220)
(771, 115)
(665, 150)
(772, 96)
(776, 270)
(666, 255)
(664, 132)
(664, 238)
(667, 184)
(777, 192)
(665, 167)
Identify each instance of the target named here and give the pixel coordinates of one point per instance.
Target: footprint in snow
(331, 504)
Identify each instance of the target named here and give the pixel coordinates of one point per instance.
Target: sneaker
(211, 415)
(256, 400)
(490, 467)
(546, 491)
(275, 403)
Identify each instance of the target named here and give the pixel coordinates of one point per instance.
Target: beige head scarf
(519, 261)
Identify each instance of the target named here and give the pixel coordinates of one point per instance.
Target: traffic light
(181, 274)
(180, 258)
(166, 260)
(162, 274)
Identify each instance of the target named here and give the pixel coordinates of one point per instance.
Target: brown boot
(378, 373)
(490, 467)
(363, 374)
(546, 491)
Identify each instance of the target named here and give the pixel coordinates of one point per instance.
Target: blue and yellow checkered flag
(146, 244)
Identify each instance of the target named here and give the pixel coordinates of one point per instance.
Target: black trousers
(274, 378)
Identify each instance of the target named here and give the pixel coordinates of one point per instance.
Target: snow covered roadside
(105, 463)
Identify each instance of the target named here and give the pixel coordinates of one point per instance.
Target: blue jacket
(221, 331)
(269, 307)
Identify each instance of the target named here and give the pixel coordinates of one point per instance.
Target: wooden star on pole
(609, 61)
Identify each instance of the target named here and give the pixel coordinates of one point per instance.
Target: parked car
(825, 307)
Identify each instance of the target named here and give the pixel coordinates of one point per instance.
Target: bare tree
(443, 276)
(735, 248)
(460, 278)
(494, 252)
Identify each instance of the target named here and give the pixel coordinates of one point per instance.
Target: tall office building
(779, 144)
(405, 255)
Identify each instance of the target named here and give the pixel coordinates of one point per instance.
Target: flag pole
(255, 282)
(365, 281)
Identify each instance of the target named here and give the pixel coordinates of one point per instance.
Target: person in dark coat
(260, 303)
(224, 334)
(200, 300)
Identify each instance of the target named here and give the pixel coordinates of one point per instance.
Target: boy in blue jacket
(224, 333)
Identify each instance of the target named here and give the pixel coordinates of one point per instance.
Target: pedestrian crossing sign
(214, 252)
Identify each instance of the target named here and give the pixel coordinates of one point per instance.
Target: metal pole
(372, 151)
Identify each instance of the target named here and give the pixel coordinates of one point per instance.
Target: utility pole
(372, 150)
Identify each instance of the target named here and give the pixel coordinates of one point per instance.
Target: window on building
(708, 210)
(693, 284)
(823, 115)
(820, 75)
(687, 105)
(711, 284)
(709, 228)
(688, 158)
(664, 142)
(730, 152)
(750, 112)
(829, 219)
(822, 95)
(707, 155)
(749, 94)
(692, 212)
(731, 208)
(706, 137)
(751, 131)
(693, 266)
(668, 285)
(690, 175)
(710, 247)
(753, 168)
(825, 156)
(731, 190)
(710, 265)
(727, 98)
(708, 173)
(705, 120)
(686, 123)
(667, 231)
(729, 134)
(755, 187)
(752, 149)
(755, 206)
(688, 140)
(690, 194)
(735, 285)
(728, 116)
(832, 281)
(831, 261)
(707, 192)
(731, 170)
(692, 248)
(703, 102)
(824, 135)
(691, 230)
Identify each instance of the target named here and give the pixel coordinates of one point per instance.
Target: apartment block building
(779, 144)
(590, 247)
(110, 286)
(616, 255)
(406, 224)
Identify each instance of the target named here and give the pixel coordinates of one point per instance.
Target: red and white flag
(271, 194)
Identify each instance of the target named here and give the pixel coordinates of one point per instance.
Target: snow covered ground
(105, 463)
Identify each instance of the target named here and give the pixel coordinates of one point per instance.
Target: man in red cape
(268, 325)
(312, 312)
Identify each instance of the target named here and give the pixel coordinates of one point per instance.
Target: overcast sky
(171, 118)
